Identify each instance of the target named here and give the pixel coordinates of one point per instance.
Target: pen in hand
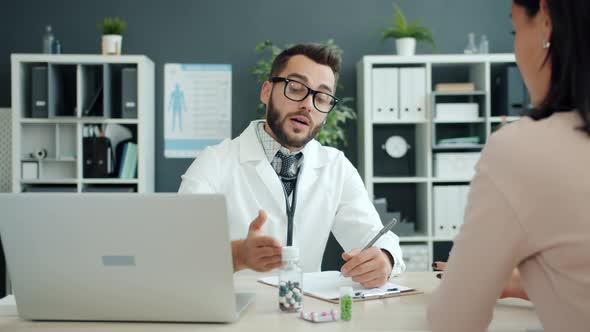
(384, 230)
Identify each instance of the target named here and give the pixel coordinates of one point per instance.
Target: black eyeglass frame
(310, 91)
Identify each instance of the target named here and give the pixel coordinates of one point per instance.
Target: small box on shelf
(29, 170)
(455, 165)
(457, 112)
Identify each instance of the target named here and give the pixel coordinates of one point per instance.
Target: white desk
(406, 313)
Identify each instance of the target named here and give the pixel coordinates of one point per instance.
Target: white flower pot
(405, 46)
(112, 44)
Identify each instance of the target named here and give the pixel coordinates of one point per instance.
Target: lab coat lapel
(252, 153)
(313, 161)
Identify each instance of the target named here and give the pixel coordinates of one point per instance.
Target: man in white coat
(284, 188)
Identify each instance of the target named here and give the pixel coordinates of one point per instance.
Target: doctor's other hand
(257, 251)
(370, 268)
(513, 287)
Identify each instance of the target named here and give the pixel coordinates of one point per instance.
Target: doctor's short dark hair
(319, 53)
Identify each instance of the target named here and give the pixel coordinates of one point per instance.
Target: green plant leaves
(112, 26)
(400, 28)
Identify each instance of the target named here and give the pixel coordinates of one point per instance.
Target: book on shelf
(455, 87)
(459, 140)
(128, 164)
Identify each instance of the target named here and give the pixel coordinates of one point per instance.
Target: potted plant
(332, 133)
(112, 31)
(406, 34)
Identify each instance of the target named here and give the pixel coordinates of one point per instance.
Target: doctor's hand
(257, 251)
(370, 268)
(513, 287)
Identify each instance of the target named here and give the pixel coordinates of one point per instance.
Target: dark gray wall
(226, 31)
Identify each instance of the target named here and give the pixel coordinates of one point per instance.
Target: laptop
(120, 257)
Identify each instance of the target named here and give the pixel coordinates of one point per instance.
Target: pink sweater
(529, 207)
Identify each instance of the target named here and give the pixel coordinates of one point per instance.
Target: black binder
(129, 93)
(39, 92)
(509, 95)
(98, 157)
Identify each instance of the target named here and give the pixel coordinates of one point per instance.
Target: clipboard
(325, 286)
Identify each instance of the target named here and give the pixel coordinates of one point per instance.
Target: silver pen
(384, 230)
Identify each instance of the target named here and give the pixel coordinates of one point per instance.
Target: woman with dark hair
(528, 217)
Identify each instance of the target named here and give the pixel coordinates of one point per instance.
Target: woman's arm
(489, 246)
(513, 287)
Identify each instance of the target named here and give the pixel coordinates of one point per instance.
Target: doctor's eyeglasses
(297, 91)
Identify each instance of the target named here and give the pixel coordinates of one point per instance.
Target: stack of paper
(455, 87)
(326, 286)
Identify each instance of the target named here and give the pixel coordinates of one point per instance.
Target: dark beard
(274, 122)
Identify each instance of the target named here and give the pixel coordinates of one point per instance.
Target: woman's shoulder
(529, 132)
(528, 143)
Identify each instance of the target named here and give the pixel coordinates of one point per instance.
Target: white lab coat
(330, 197)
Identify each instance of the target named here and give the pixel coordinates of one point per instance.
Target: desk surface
(405, 313)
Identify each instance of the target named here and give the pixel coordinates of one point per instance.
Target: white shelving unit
(73, 83)
(409, 189)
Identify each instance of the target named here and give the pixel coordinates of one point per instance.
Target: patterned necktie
(286, 174)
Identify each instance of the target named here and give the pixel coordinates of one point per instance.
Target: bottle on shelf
(484, 45)
(48, 39)
(471, 48)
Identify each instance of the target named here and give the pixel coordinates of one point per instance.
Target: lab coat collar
(251, 149)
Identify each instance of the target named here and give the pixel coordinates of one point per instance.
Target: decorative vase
(405, 46)
(112, 44)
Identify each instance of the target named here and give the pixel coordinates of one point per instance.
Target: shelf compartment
(413, 163)
(36, 136)
(400, 179)
(416, 255)
(509, 93)
(46, 187)
(409, 199)
(66, 138)
(441, 250)
(108, 188)
(91, 93)
(59, 170)
(459, 73)
(62, 90)
(446, 131)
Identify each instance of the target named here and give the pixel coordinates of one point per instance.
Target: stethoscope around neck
(290, 207)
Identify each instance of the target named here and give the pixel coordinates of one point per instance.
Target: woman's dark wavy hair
(570, 57)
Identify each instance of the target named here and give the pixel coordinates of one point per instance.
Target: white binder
(441, 211)
(385, 91)
(457, 205)
(412, 94)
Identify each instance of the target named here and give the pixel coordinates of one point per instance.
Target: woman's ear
(545, 17)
